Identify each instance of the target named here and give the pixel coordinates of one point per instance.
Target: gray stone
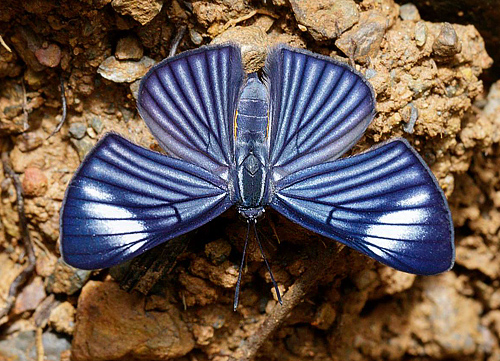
(409, 12)
(77, 130)
(22, 347)
(447, 44)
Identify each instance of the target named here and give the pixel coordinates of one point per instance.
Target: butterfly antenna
(238, 283)
(267, 264)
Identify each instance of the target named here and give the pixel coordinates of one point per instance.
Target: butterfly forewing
(189, 102)
(385, 203)
(125, 199)
(319, 109)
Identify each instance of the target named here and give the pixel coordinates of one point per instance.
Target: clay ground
(436, 86)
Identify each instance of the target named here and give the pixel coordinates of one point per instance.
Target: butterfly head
(251, 213)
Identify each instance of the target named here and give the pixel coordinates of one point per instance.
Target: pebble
(97, 125)
(22, 347)
(77, 130)
(35, 182)
(129, 48)
(124, 71)
(83, 146)
(325, 19)
(62, 318)
(363, 41)
(49, 56)
(447, 44)
(30, 296)
(107, 315)
(409, 12)
(196, 37)
(29, 141)
(66, 279)
(420, 33)
(142, 11)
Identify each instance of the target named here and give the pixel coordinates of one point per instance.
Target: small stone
(35, 182)
(124, 71)
(409, 12)
(363, 41)
(49, 56)
(107, 315)
(62, 318)
(97, 125)
(325, 19)
(30, 296)
(129, 48)
(66, 279)
(22, 347)
(29, 141)
(141, 10)
(420, 33)
(203, 334)
(195, 36)
(134, 88)
(83, 146)
(447, 44)
(77, 130)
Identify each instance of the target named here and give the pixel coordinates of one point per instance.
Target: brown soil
(428, 90)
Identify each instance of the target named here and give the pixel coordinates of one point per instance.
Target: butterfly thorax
(251, 148)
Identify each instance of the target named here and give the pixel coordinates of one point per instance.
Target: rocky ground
(430, 90)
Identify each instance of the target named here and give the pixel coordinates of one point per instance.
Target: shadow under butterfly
(233, 139)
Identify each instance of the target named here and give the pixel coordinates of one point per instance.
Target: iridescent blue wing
(384, 203)
(318, 109)
(189, 103)
(125, 199)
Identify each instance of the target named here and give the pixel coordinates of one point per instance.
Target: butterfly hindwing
(189, 101)
(319, 108)
(125, 199)
(384, 203)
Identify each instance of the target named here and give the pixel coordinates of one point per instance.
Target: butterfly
(276, 140)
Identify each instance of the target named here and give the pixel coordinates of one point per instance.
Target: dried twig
(177, 40)
(291, 298)
(245, 17)
(26, 124)
(39, 345)
(25, 236)
(64, 109)
(2, 42)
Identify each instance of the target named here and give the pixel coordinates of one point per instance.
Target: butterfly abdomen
(251, 152)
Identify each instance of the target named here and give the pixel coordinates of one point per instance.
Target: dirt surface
(427, 77)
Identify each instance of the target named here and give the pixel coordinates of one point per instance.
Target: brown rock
(363, 41)
(447, 43)
(224, 275)
(30, 296)
(112, 324)
(141, 10)
(62, 318)
(129, 48)
(325, 19)
(49, 56)
(35, 182)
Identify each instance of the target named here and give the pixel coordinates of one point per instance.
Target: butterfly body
(251, 149)
(233, 140)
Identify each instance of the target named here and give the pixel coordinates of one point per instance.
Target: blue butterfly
(233, 139)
